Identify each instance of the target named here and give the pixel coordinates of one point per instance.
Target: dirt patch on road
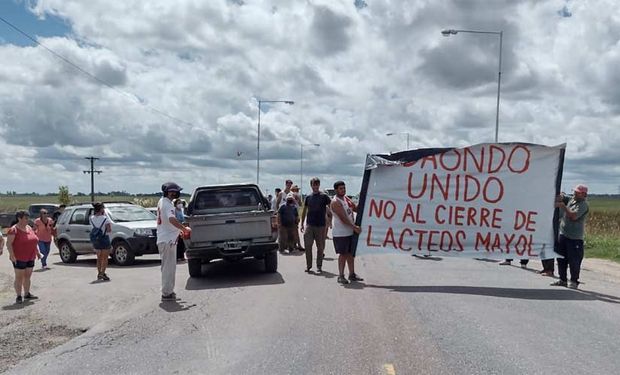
(24, 332)
(23, 336)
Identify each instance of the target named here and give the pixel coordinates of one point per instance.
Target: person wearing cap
(168, 228)
(288, 219)
(573, 213)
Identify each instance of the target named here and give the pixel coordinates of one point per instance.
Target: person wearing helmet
(168, 228)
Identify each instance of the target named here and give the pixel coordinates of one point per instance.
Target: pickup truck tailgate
(226, 227)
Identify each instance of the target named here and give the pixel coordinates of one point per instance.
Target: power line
(133, 97)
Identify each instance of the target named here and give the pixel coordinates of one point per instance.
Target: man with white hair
(573, 212)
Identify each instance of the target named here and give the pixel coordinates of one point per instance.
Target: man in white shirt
(343, 229)
(168, 228)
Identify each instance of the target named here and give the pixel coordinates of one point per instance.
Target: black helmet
(171, 186)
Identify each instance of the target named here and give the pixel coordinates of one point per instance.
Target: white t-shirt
(166, 232)
(97, 221)
(339, 228)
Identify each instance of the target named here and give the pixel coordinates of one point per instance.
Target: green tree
(63, 195)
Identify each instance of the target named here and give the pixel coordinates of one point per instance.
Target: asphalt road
(409, 316)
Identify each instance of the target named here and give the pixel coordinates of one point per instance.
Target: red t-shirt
(25, 244)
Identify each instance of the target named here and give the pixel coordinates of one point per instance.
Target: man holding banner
(574, 211)
(342, 232)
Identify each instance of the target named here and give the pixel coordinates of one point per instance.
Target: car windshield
(121, 214)
(226, 199)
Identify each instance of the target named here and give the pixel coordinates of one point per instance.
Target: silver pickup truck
(230, 222)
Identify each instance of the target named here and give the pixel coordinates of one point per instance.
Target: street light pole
(499, 82)
(500, 33)
(289, 102)
(301, 165)
(408, 134)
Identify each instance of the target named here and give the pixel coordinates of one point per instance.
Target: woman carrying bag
(99, 237)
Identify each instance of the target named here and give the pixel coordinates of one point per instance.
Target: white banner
(487, 201)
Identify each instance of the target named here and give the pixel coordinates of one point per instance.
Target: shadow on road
(427, 257)
(222, 274)
(325, 274)
(487, 260)
(175, 306)
(562, 294)
(295, 253)
(92, 262)
(15, 306)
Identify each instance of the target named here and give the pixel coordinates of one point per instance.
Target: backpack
(97, 235)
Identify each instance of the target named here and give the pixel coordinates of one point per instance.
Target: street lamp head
(316, 144)
(289, 102)
(447, 32)
(388, 134)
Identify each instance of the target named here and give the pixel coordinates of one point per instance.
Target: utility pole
(92, 176)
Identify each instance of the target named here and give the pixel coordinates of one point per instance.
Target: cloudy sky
(182, 79)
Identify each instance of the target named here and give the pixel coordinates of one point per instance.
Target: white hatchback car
(133, 233)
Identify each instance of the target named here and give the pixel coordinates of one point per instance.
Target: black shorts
(22, 265)
(343, 245)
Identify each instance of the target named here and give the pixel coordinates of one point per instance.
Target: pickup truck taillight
(274, 223)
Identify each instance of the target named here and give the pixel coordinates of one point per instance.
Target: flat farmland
(602, 228)
(21, 202)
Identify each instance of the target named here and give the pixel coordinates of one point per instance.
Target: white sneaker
(573, 285)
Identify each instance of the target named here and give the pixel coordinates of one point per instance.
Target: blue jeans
(572, 251)
(44, 248)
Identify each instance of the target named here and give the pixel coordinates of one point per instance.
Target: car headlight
(143, 232)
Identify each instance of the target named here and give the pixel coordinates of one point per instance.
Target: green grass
(604, 247)
(604, 204)
(603, 229)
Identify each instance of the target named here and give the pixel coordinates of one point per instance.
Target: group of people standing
(319, 213)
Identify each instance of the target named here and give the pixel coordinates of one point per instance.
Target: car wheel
(122, 253)
(195, 267)
(67, 254)
(271, 262)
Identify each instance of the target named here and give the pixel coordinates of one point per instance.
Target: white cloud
(354, 74)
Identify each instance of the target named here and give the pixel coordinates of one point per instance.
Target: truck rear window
(226, 200)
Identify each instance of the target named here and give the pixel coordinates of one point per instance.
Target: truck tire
(67, 254)
(271, 262)
(122, 254)
(194, 267)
